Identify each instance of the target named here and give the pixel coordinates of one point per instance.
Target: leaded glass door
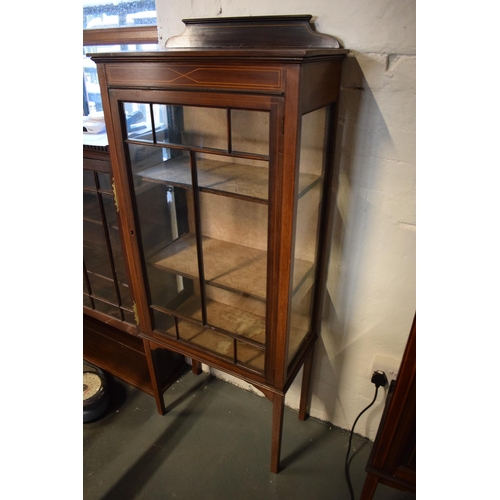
(199, 181)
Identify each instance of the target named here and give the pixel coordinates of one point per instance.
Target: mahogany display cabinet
(222, 149)
(110, 335)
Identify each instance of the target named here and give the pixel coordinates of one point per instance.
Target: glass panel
(234, 176)
(164, 323)
(193, 126)
(234, 242)
(307, 225)
(128, 317)
(95, 252)
(108, 309)
(165, 206)
(250, 356)
(91, 210)
(119, 13)
(250, 131)
(86, 302)
(96, 261)
(236, 313)
(116, 248)
(160, 165)
(209, 340)
(125, 294)
(102, 287)
(88, 179)
(104, 181)
(99, 237)
(234, 236)
(138, 121)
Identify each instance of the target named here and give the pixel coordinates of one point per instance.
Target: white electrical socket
(388, 365)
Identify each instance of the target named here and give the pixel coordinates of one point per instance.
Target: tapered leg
(195, 366)
(278, 409)
(370, 486)
(153, 375)
(306, 384)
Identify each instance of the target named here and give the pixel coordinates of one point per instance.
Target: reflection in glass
(307, 226)
(138, 121)
(193, 126)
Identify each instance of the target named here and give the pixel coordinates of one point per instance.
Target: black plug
(379, 378)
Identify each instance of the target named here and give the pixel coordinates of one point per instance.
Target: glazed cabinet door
(198, 178)
(106, 293)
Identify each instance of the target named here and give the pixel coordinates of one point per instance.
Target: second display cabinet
(222, 151)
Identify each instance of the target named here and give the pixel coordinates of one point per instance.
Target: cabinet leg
(369, 487)
(195, 366)
(306, 384)
(153, 375)
(278, 410)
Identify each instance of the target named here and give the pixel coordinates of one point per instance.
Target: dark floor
(214, 444)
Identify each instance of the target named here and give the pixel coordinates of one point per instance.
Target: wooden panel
(313, 94)
(124, 356)
(250, 32)
(97, 165)
(121, 355)
(118, 36)
(193, 75)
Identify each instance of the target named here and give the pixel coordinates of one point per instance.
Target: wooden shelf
(227, 265)
(225, 178)
(242, 324)
(123, 356)
(232, 324)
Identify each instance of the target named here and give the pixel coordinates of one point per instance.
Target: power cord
(379, 378)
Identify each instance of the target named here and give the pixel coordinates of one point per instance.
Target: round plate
(95, 395)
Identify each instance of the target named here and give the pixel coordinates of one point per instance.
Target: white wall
(371, 281)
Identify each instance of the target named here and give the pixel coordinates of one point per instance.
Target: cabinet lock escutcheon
(113, 186)
(136, 314)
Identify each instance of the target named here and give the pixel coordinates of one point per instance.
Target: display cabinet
(110, 335)
(106, 294)
(222, 149)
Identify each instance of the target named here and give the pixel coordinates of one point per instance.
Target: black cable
(351, 491)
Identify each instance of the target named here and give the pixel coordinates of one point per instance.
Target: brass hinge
(136, 314)
(114, 195)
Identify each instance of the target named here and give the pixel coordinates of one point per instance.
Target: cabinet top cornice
(269, 32)
(290, 38)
